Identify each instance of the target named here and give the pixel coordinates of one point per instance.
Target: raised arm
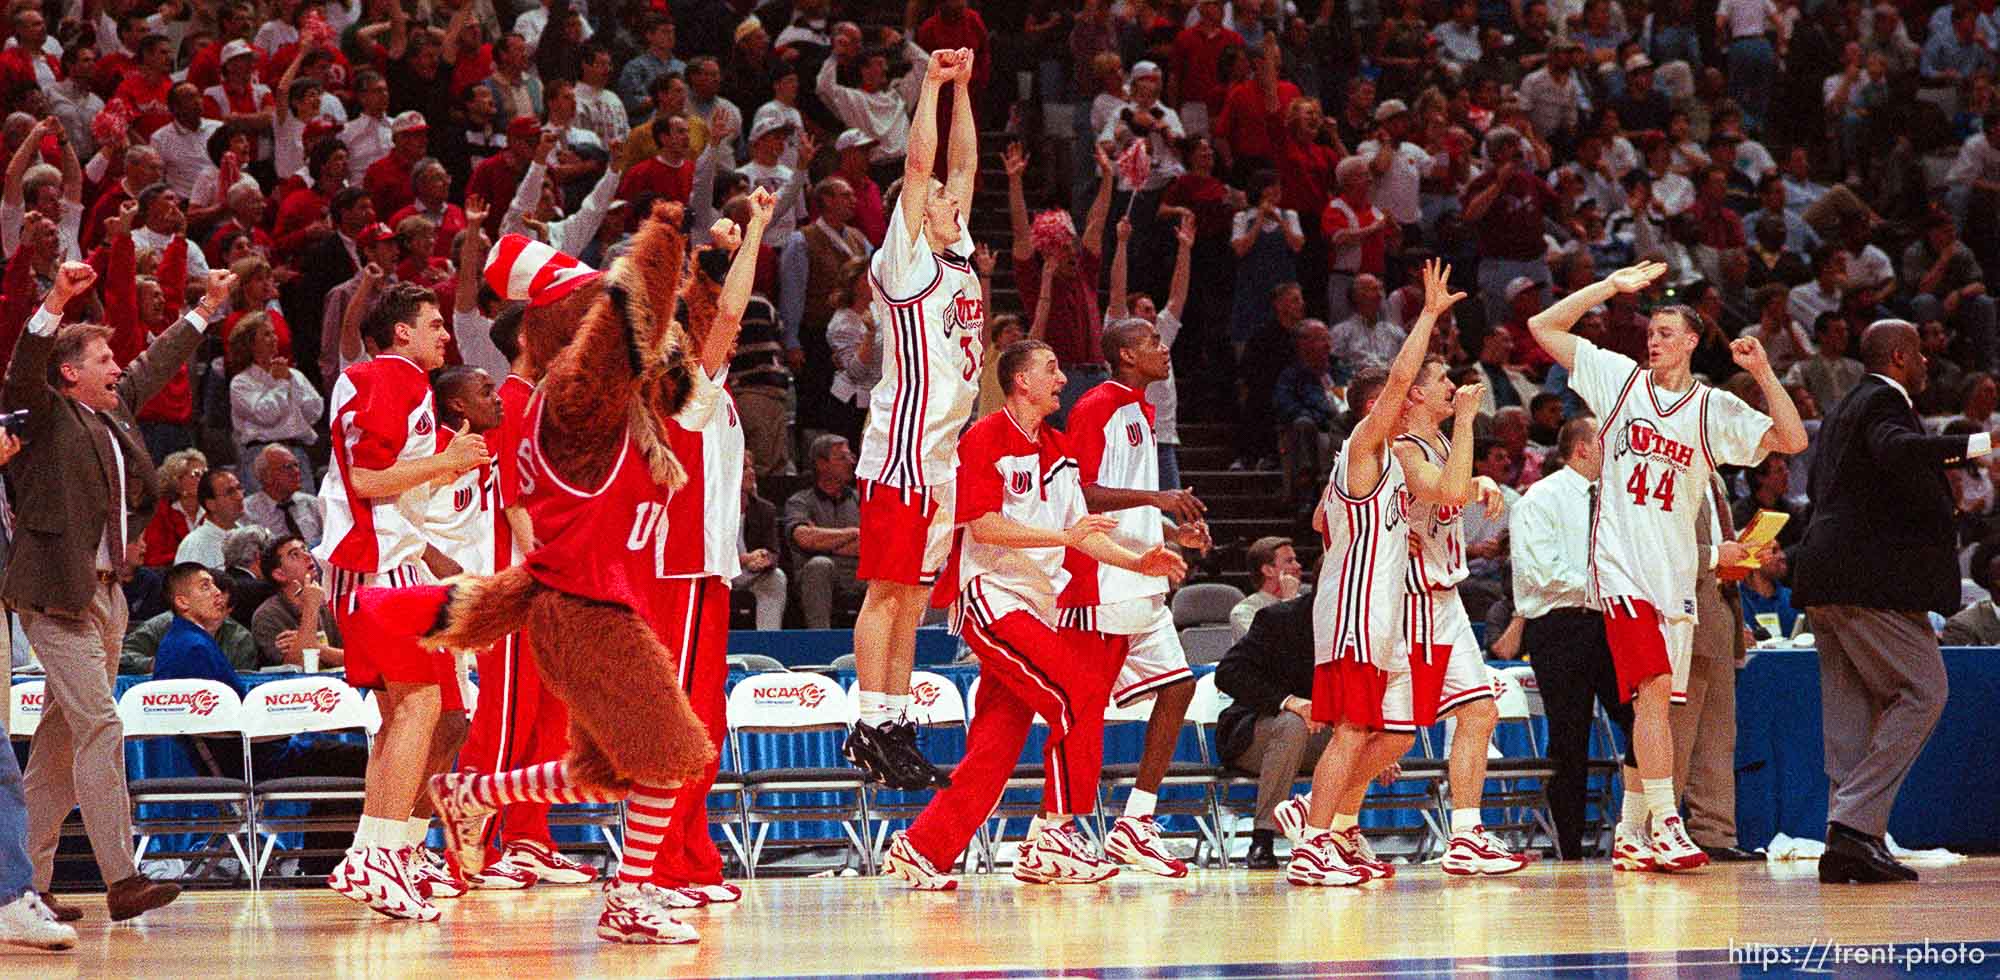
(1183, 259)
(1016, 163)
(922, 153)
(1551, 327)
(1376, 427)
(1100, 206)
(1788, 432)
(736, 287)
(963, 152)
(23, 158)
(1114, 309)
(1450, 484)
(471, 255)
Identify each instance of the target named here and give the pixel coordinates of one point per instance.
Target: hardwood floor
(1215, 923)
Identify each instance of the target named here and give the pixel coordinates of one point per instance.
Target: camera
(15, 422)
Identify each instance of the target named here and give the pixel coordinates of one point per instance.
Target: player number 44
(1641, 487)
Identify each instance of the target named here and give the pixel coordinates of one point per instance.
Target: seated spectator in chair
(1305, 407)
(1268, 728)
(179, 509)
(1829, 372)
(142, 642)
(281, 505)
(190, 649)
(1275, 563)
(761, 574)
(823, 527)
(1948, 284)
(221, 499)
(1944, 393)
(242, 564)
(296, 616)
(1977, 625)
(1764, 593)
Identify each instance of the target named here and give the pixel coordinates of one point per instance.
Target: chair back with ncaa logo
(294, 706)
(780, 717)
(24, 708)
(939, 712)
(1188, 788)
(209, 807)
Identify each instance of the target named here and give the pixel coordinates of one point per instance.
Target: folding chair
(801, 709)
(1204, 712)
(935, 704)
(1207, 644)
(1182, 774)
(1027, 776)
(172, 709)
(279, 710)
(24, 709)
(1205, 604)
(755, 662)
(1522, 793)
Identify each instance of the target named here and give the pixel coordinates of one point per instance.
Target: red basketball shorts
(1446, 669)
(1352, 692)
(905, 532)
(381, 616)
(1644, 646)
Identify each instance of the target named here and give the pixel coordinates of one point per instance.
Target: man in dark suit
(82, 477)
(1268, 729)
(1879, 495)
(333, 260)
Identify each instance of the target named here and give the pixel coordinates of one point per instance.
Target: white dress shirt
(368, 139)
(1550, 551)
(266, 409)
(203, 545)
(261, 510)
(184, 154)
(1396, 191)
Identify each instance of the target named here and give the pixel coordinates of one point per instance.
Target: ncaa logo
(424, 426)
(194, 702)
(1133, 434)
(319, 700)
(924, 693)
(1020, 482)
(804, 695)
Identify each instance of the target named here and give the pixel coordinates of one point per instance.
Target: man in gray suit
(1705, 727)
(81, 480)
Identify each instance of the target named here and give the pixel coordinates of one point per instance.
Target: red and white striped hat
(522, 268)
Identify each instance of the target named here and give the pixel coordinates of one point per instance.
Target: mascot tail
(483, 610)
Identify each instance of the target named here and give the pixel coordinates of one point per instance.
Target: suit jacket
(1272, 661)
(63, 479)
(322, 267)
(760, 527)
(1718, 628)
(1881, 534)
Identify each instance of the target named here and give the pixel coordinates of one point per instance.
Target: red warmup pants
(1025, 669)
(519, 723)
(695, 612)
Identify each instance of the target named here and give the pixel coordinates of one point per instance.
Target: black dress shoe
(1852, 856)
(1260, 857)
(1730, 852)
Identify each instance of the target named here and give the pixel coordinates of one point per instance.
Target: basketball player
(1110, 434)
(518, 722)
(386, 459)
(704, 524)
(1663, 432)
(1020, 508)
(932, 314)
(1361, 674)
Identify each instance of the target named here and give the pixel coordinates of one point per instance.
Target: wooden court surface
(1213, 923)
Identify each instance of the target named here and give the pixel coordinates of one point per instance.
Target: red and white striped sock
(545, 783)
(646, 812)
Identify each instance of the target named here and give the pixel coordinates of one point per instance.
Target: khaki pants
(1705, 749)
(1282, 749)
(767, 434)
(78, 754)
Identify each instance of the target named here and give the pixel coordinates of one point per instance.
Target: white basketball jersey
(463, 518)
(1110, 434)
(1437, 536)
(1659, 448)
(1358, 603)
(932, 317)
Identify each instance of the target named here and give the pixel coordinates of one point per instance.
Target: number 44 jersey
(1659, 448)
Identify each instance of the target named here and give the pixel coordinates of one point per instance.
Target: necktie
(291, 523)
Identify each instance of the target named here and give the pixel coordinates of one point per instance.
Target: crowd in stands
(1803, 168)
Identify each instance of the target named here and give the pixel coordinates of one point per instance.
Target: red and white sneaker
(1631, 850)
(1136, 841)
(1672, 848)
(720, 893)
(1060, 856)
(902, 860)
(379, 878)
(1481, 853)
(546, 864)
(1318, 863)
(502, 875)
(464, 819)
(1354, 849)
(1291, 816)
(631, 916)
(432, 878)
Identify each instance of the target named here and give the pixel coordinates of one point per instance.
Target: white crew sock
(1464, 819)
(377, 832)
(898, 706)
(1312, 832)
(416, 830)
(1633, 813)
(874, 709)
(1342, 821)
(1141, 803)
(1046, 821)
(1660, 799)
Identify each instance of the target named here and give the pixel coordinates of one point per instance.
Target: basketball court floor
(1551, 920)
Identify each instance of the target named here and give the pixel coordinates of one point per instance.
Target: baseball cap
(1638, 61)
(1519, 285)
(374, 234)
(853, 139)
(1143, 69)
(768, 123)
(526, 128)
(411, 121)
(1390, 109)
(236, 49)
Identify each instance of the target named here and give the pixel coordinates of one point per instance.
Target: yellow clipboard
(1762, 530)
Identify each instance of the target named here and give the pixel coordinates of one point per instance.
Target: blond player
(1662, 434)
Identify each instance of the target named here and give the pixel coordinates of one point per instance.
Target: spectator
(669, 173)
(1938, 269)
(1163, 394)
(1198, 83)
(221, 498)
(637, 80)
(598, 109)
(784, 107)
(1716, 223)
(183, 142)
(297, 615)
(1980, 396)
(1824, 294)
(1050, 244)
(705, 102)
(1398, 166)
(1829, 373)
(55, 194)
(1359, 235)
(1274, 564)
(516, 86)
(1524, 299)
(137, 653)
(164, 222)
(1545, 420)
(1971, 489)
(768, 140)
(1975, 172)
(391, 178)
(281, 506)
(1268, 727)
(852, 149)
(1508, 204)
(1769, 482)
(1553, 95)
(333, 260)
(758, 379)
(270, 402)
(1943, 394)
(348, 304)
(1767, 600)
(1305, 406)
(880, 109)
(179, 509)
(855, 350)
(823, 531)
(242, 567)
(1366, 338)
(761, 575)
(1506, 385)
(430, 184)
(1954, 55)
(954, 26)
(1266, 238)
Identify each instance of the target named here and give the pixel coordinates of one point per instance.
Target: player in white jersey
(931, 313)
(1447, 670)
(1110, 433)
(1361, 675)
(1662, 433)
